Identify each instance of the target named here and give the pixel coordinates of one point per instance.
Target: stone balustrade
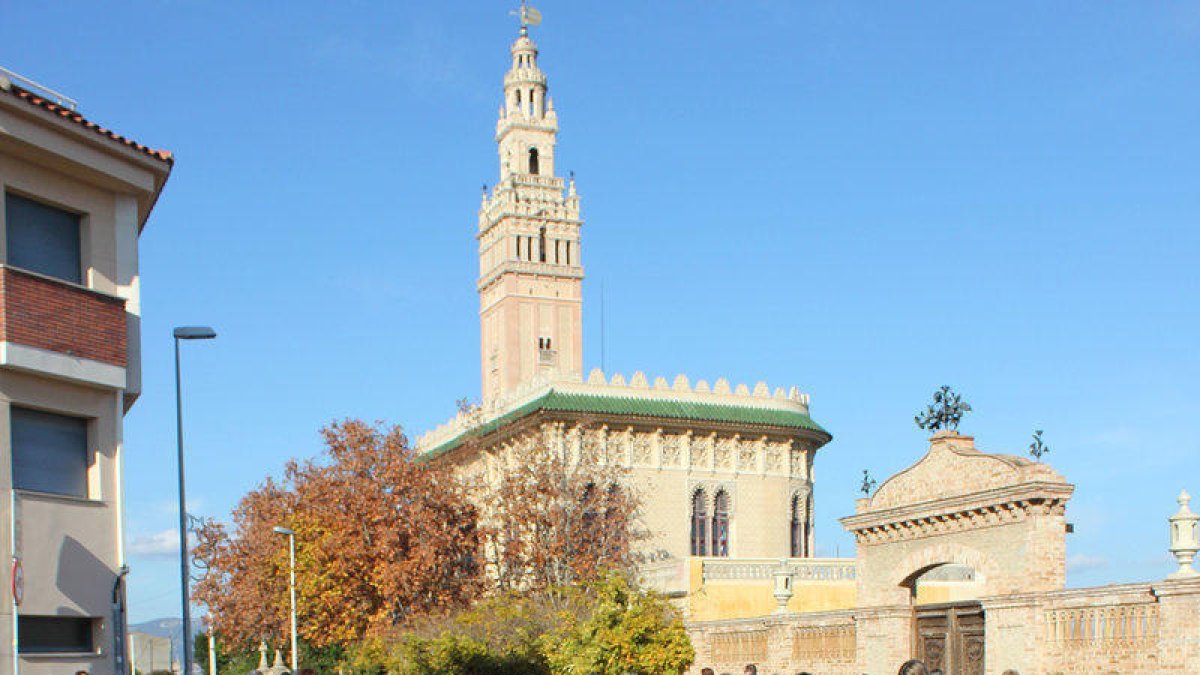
(1103, 626)
(799, 569)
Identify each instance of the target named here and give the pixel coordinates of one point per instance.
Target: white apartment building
(75, 199)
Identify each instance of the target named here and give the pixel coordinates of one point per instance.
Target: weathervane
(945, 412)
(529, 16)
(868, 484)
(1038, 448)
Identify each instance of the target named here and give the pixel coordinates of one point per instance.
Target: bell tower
(530, 271)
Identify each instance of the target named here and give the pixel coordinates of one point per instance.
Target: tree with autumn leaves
(385, 542)
(379, 539)
(553, 522)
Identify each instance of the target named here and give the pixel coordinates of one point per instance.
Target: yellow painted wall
(741, 599)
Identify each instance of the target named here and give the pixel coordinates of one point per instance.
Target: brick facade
(57, 316)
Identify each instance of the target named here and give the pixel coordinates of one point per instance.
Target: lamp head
(194, 333)
(284, 530)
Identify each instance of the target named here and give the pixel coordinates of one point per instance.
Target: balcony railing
(799, 569)
(59, 316)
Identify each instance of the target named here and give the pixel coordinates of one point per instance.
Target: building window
(799, 530)
(54, 635)
(533, 160)
(720, 525)
(43, 239)
(542, 245)
(49, 452)
(699, 524)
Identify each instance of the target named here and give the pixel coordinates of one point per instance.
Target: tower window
(720, 525)
(542, 245)
(518, 98)
(544, 343)
(699, 524)
(799, 533)
(568, 253)
(533, 161)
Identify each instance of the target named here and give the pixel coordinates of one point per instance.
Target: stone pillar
(884, 637)
(783, 587)
(1178, 634)
(1014, 634)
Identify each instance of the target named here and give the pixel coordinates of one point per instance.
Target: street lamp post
(185, 333)
(291, 535)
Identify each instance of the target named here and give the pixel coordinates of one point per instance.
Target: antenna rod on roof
(602, 325)
(41, 89)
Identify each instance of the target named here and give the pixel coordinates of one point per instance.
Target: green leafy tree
(627, 632)
(500, 635)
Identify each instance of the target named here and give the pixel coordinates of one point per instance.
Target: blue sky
(867, 200)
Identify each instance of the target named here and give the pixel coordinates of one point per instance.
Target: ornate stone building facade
(960, 563)
(960, 558)
(722, 470)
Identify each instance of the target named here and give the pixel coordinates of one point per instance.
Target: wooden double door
(950, 637)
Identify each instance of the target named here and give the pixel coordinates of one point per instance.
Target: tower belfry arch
(530, 272)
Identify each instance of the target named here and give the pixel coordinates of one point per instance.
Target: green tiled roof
(641, 407)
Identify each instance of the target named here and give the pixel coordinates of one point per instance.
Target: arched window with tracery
(699, 524)
(799, 529)
(720, 525)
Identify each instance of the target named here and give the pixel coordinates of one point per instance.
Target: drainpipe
(118, 605)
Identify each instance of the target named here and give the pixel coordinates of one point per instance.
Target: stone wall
(817, 642)
(1129, 629)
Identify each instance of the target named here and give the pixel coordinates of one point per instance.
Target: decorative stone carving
(774, 457)
(672, 450)
(641, 449)
(703, 452)
(724, 454)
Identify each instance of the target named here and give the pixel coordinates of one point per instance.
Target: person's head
(913, 667)
(707, 671)
(750, 669)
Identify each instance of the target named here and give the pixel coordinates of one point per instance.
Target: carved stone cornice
(999, 506)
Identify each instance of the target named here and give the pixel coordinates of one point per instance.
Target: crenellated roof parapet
(719, 395)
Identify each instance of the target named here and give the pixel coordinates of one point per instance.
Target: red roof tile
(67, 113)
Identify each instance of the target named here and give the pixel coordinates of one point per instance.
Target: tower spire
(530, 276)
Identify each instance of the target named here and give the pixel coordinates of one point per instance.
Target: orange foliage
(379, 539)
